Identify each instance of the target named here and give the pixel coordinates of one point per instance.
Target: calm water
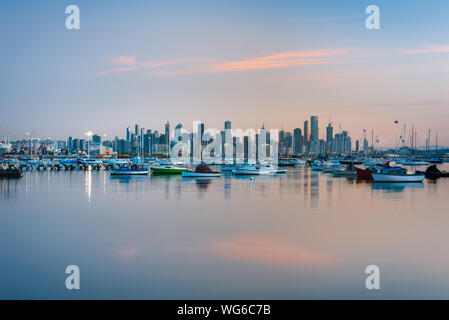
(300, 235)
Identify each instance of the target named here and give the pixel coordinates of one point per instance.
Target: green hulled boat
(168, 170)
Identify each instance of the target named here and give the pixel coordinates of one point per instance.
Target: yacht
(252, 169)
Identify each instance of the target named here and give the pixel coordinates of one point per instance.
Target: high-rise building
(306, 133)
(96, 138)
(167, 133)
(298, 142)
(137, 130)
(201, 132)
(69, 144)
(128, 134)
(329, 133)
(314, 131)
(329, 137)
(227, 124)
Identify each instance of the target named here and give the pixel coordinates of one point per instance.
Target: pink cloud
(123, 60)
(430, 49)
(204, 65)
(280, 60)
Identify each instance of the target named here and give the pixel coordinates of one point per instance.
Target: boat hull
(364, 174)
(114, 172)
(251, 172)
(200, 174)
(156, 170)
(377, 177)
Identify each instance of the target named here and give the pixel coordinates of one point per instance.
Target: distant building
(167, 133)
(128, 134)
(298, 142)
(314, 131)
(96, 138)
(306, 135)
(329, 137)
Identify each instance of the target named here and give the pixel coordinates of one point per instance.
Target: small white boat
(251, 169)
(385, 177)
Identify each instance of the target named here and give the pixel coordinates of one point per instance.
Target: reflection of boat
(281, 170)
(10, 173)
(252, 169)
(168, 170)
(397, 186)
(201, 171)
(126, 171)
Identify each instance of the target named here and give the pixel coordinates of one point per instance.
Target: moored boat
(364, 174)
(168, 170)
(392, 177)
(348, 171)
(252, 169)
(126, 171)
(201, 171)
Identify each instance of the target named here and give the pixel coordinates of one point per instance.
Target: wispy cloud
(429, 49)
(205, 65)
(279, 60)
(123, 60)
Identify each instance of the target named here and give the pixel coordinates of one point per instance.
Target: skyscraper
(297, 141)
(167, 133)
(96, 138)
(306, 132)
(329, 137)
(137, 130)
(201, 132)
(314, 133)
(128, 134)
(227, 124)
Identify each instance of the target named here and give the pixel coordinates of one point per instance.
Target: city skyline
(182, 63)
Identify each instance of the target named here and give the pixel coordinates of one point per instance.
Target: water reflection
(300, 235)
(397, 186)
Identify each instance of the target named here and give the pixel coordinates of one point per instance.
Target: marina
(287, 233)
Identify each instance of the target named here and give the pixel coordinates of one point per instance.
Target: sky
(251, 62)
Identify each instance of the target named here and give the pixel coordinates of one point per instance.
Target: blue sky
(276, 62)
